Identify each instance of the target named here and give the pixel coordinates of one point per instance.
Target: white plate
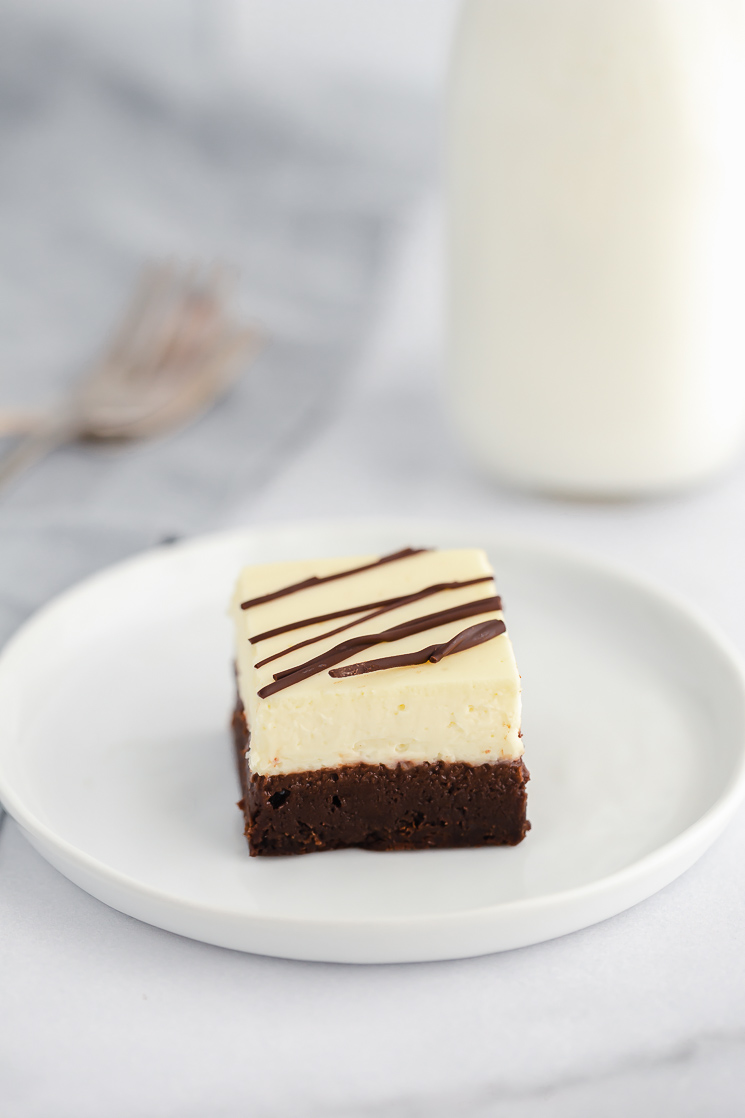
(116, 761)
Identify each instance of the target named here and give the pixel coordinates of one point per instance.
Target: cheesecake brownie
(378, 705)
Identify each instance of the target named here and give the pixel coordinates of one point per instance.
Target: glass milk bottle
(596, 157)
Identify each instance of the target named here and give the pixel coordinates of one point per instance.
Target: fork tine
(218, 278)
(197, 313)
(149, 281)
(196, 323)
(151, 320)
(202, 376)
(176, 316)
(154, 311)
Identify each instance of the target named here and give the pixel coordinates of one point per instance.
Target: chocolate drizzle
(390, 604)
(358, 644)
(307, 583)
(469, 638)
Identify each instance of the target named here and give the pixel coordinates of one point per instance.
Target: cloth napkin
(104, 168)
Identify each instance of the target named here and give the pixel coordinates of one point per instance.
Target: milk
(596, 180)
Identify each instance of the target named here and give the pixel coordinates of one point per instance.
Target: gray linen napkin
(104, 167)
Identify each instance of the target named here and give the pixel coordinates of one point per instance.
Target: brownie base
(376, 807)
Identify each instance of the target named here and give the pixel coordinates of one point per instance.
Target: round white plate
(116, 761)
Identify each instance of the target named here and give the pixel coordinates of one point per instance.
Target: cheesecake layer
(464, 709)
(380, 807)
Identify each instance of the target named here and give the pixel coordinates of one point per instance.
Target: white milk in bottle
(596, 167)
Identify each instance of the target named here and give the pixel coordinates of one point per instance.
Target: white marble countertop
(338, 240)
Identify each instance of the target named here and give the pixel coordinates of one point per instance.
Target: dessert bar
(378, 705)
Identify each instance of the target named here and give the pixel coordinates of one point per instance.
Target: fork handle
(54, 432)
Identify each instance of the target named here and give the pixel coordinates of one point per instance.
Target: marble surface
(331, 210)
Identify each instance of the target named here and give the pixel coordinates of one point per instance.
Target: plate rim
(698, 835)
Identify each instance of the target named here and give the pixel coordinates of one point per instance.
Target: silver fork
(175, 351)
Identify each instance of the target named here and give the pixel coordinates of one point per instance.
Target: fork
(174, 352)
